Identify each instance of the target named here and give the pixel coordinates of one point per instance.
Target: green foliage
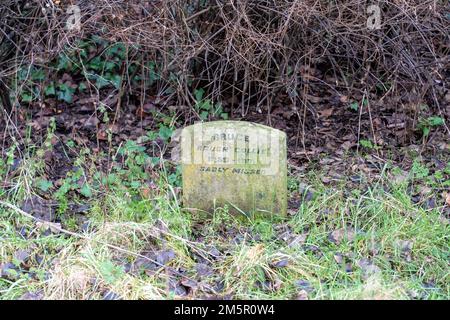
(44, 185)
(110, 271)
(136, 160)
(10, 154)
(50, 89)
(419, 171)
(96, 60)
(86, 191)
(174, 178)
(293, 183)
(355, 105)
(367, 144)
(421, 174)
(70, 183)
(165, 132)
(206, 108)
(65, 92)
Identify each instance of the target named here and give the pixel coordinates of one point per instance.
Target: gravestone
(238, 164)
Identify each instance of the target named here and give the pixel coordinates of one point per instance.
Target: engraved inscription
(238, 164)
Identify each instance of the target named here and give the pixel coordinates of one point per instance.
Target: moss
(245, 187)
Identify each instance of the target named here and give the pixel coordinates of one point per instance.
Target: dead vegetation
(252, 52)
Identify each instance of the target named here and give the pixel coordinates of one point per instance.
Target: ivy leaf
(165, 133)
(50, 90)
(44, 185)
(101, 82)
(366, 144)
(155, 160)
(130, 147)
(65, 93)
(199, 94)
(109, 66)
(63, 63)
(95, 64)
(135, 184)
(86, 191)
(436, 121)
(204, 115)
(354, 106)
(82, 86)
(110, 272)
(116, 80)
(27, 97)
(152, 135)
(38, 75)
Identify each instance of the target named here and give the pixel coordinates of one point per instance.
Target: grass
(371, 242)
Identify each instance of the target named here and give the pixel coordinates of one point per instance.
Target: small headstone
(238, 164)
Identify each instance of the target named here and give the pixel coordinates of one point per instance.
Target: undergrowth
(135, 241)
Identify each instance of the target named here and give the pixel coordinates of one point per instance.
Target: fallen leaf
(326, 113)
(298, 240)
(178, 289)
(401, 177)
(314, 99)
(283, 263)
(368, 267)
(32, 296)
(9, 271)
(430, 203)
(49, 227)
(347, 145)
(447, 198)
(304, 285)
(302, 295)
(165, 256)
(343, 99)
(326, 180)
(102, 135)
(342, 234)
(189, 283)
(21, 256)
(405, 247)
(203, 269)
(110, 295)
(338, 257)
(40, 208)
(214, 252)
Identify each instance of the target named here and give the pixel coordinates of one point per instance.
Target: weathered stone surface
(238, 164)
